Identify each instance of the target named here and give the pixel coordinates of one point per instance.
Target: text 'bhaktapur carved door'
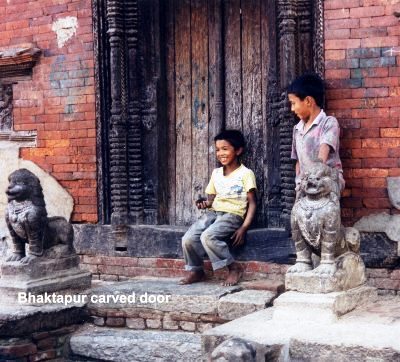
(176, 72)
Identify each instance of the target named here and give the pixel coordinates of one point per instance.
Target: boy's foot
(193, 277)
(234, 275)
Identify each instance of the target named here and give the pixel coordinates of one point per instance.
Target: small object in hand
(200, 199)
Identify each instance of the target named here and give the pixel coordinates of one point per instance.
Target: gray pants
(207, 235)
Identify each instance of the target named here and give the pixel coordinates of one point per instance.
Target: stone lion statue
(27, 221)
(316, 223)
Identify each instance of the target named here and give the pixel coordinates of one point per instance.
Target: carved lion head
(24, 185)
(318, 181)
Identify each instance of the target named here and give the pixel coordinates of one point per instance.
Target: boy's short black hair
(308, 85)
(233, 136)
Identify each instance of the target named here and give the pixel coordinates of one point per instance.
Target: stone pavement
(368, 333)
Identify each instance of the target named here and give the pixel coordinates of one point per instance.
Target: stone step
(371, 332)
(161, 303)
(111, 344)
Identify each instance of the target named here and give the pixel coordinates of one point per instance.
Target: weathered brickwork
(39, 346)
(58, 101)
(362, 61)
(122, 268)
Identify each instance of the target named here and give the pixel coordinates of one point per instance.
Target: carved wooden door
(171, 74)
(224, 70)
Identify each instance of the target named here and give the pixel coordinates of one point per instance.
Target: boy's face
(302, 108)
(226, 153)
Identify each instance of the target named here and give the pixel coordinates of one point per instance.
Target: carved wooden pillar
(305, 35)
(135, 190)
(318, 39)
(274, 206)
(117, 121)
(287, 62)
(6, 107)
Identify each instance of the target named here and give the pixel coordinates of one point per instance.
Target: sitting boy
(316, 136)
(231, 208)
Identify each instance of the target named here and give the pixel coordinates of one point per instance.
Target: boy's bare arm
(323, 153)
(297, 168)
(239, 234)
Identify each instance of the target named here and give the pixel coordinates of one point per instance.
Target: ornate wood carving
(117, 120)
(17, 62)
(318, 39)
(295, 53)
(6, 106)
(135, 190)
(136, 72)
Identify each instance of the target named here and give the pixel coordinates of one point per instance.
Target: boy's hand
(238, 236)
(202, 204)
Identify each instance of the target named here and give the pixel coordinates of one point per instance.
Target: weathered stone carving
(27, 221)
(317, 230)
(6, 104)
(235, 349)
(49, 262)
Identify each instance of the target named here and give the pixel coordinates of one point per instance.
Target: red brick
(369, 32)
(369, 133)
(374, 182)
(376, 114)
(345, 104)
(378, 21)
(383, 41)
(335, 54)
(376, 203)
(380, 162)
(340, 4)
(370, 92)
(372, 172)
(389, 101)
(17, 349)
(394, 172)
(394, 152)
(381, 82)
(338, 34)
(341, 24)
(350, 143)
(391, 7)
(351, 163)
(390, 132)
(371, 153)
(349, 123)
(369, 192)
(364, 12)
(394, 30)
(65, 167)
(379, 122)
(343, 44)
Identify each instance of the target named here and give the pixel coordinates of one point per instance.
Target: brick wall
(362, 61)
(114, 268)
(59, 100)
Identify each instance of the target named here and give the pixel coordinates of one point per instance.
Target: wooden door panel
(183, 116)
(199, 59)
(232, 64)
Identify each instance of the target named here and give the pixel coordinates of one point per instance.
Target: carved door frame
(130, 98)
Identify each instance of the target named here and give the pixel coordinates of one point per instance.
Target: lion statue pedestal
(42, 258)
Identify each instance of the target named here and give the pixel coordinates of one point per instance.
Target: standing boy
(316, 136)
(231, 208)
